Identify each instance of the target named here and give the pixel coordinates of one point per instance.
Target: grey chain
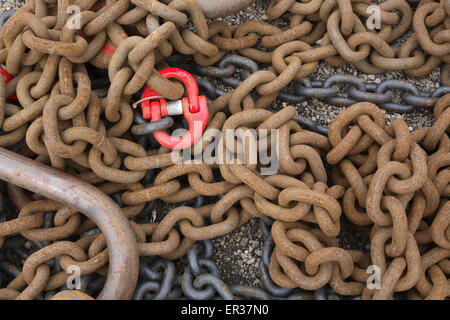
(353, 88)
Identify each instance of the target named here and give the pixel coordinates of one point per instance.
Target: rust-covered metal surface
(88, 161)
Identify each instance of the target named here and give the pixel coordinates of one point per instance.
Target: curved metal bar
(220, 8)
(97, 206)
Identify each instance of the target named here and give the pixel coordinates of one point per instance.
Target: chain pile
(350, 87)
(68, 125)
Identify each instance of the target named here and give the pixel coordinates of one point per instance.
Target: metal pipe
(97, 206)
(220, 8)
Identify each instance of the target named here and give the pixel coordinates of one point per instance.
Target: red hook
(7, 78)
(194, 108)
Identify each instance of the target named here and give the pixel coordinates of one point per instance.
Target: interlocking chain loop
(393, 184)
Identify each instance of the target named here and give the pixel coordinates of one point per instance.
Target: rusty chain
(391, 183)
(351, 87)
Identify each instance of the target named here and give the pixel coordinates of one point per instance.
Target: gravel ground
(238, 253)
(10, 4)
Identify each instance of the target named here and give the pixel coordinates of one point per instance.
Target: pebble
(10, 4)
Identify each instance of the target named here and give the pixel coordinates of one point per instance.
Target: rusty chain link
(391, 183)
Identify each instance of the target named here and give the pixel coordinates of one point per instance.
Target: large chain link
(392, 183)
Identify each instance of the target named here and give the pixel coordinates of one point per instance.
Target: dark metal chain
(329, 90)
(201, 280)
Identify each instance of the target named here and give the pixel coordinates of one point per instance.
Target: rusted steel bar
(97, 206)
(220, 8)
